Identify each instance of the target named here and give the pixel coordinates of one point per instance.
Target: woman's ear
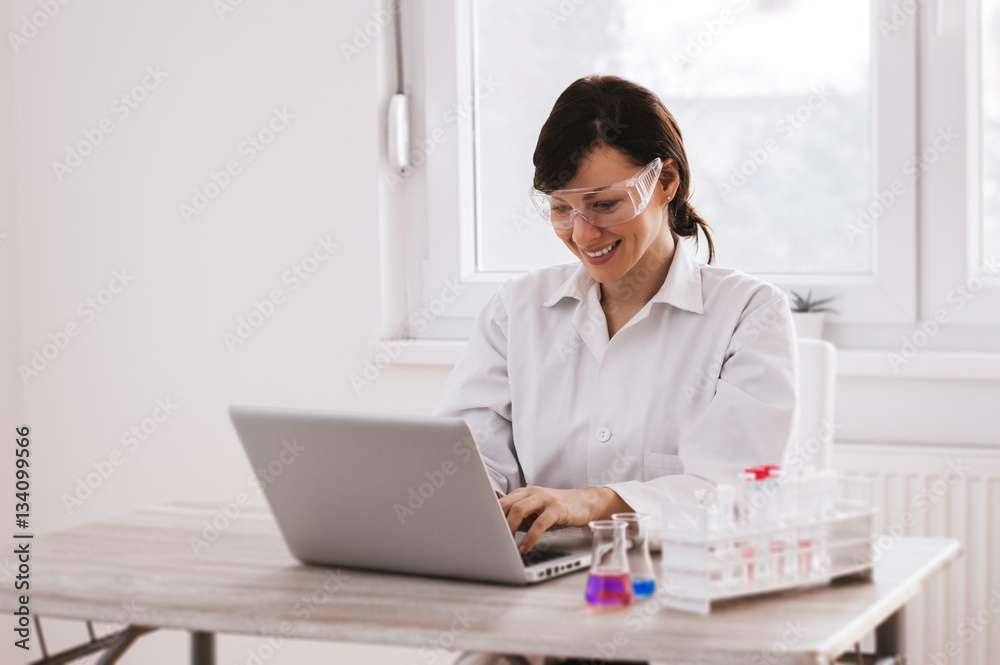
(669, 177)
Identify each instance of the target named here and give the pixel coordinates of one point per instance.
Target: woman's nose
(583, 231)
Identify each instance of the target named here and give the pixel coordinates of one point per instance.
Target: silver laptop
(392, 493)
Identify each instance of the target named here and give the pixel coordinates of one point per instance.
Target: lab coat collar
(681, 288)
(574, 287)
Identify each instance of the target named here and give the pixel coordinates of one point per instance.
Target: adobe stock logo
(30, 26)
(223, 7)
(365, 35)
(131, 439)
(418, 322)
(122, 107)
(435, 480)
(87, 310)
(713, 29)
(249, 149)
(263, 309)
(958, 297)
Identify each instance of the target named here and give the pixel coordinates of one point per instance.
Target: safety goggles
(602, 206)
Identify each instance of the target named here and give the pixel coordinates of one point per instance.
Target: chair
(816, 389)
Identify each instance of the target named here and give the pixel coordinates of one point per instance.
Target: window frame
(951, 256)
(915, 263)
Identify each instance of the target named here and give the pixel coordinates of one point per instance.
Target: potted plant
(808, 314)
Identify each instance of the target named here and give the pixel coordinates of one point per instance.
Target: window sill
(850, 363)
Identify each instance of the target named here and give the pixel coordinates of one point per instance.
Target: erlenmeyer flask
(609, 582)
(640, 564)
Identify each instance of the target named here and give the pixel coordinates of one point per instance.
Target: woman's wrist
(605, 502)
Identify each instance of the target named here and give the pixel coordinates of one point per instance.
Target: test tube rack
(700, 566)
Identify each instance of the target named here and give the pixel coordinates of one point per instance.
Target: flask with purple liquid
(610, 582)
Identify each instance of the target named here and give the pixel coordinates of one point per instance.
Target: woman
(636, 376)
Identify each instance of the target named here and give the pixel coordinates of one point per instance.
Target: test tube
(826, 484)
(725, 502)
(781, 541)
(793, 515)
(807, 518)
(753, 543)
(764, 520)
(706, 499)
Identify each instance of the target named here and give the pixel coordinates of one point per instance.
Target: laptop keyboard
(535, 557)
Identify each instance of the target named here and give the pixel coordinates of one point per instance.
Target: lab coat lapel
(590, 322)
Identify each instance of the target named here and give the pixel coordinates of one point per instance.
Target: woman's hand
(535, 509)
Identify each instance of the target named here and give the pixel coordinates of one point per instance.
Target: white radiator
(941, 491)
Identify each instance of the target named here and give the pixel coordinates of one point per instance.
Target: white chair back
(817, 385)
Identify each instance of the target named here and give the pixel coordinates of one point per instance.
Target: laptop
(402, 494)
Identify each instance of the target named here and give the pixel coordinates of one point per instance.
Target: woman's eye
(561, 210)
(605, 206)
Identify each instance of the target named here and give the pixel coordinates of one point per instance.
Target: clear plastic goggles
(602, 206)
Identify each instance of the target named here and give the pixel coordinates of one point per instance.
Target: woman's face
(643, 238)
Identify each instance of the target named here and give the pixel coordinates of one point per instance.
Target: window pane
(772, 97)
(991, 127)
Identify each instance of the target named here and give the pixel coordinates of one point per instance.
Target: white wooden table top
(142, 569)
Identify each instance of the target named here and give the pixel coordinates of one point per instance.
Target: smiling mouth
(604, 251)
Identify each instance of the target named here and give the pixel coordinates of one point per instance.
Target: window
(990, 127)
(832, 143)
(753, 119)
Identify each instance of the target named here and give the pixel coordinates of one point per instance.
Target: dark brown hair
(597, 111)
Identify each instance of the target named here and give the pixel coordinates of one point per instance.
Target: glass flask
(640, 565)
(609, 583)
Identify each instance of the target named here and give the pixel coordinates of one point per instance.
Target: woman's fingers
(536, 509)
(538, 529)
(520, 508)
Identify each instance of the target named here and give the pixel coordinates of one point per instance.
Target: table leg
(890, 637)
(121, 643)
(202, 648)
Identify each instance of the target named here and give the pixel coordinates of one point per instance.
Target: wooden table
(143, 570)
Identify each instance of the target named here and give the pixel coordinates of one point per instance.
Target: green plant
(807, 304)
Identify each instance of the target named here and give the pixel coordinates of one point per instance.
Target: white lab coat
(697, 386)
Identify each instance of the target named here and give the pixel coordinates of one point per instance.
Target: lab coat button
(603, 435)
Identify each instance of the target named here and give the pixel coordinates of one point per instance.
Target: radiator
(941, 491)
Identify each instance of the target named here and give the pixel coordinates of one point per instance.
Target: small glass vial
(722, 523)
(609, 583)
(782, 541)
(639, 562)
(753, 545)
(808, 516)
(826, 482)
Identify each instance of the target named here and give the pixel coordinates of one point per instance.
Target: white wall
(162, 336)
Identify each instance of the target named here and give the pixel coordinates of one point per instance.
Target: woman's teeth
(604, 251)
